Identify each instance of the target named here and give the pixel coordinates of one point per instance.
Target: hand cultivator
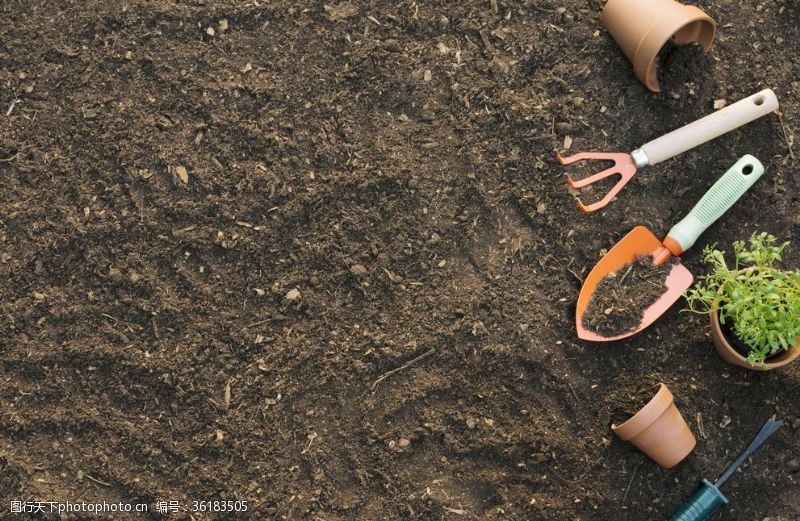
(670, 145)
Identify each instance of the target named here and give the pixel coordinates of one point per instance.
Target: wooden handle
(711, 126)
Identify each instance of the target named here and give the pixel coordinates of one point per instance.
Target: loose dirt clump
(621, 298)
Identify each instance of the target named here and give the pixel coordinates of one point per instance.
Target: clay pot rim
(642, 28)
(648, 414)
(779, 360)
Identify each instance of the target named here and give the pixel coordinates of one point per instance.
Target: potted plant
(754, 306)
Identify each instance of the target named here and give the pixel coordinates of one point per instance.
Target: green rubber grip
(705, 502)
(719, 198)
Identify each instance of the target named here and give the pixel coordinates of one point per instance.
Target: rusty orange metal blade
(639, 241)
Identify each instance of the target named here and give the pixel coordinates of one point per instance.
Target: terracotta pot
(642, 27)
(659, 430)
(727, 351)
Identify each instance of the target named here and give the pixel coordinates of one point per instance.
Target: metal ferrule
(640, 158)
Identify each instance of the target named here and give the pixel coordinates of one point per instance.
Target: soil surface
(619, 301)
(684, 70)
(319, 257)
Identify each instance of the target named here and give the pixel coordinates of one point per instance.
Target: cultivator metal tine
(624, 166)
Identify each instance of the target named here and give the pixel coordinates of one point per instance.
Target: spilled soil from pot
(618, 303)
(684, 70)
(631, 397)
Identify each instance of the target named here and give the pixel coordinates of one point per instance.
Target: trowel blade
(639, 241)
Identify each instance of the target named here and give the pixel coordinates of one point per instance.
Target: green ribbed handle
(705, 502)
(719, 198)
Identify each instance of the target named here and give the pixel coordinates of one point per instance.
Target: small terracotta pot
(727, 351)
(642, 27)
(659, 430)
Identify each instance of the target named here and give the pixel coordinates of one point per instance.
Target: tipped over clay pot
(659, 430)
(642, 27)
(730, 354)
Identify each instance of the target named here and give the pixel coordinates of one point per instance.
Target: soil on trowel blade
(619, 301)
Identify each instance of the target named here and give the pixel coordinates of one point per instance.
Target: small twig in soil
(573, 392)
(575, 275)
(789, 141)
(11, 107)
(645, 276)
(625, 275)
(700, 425)
(633, 476)
(311, 438)
(408, 364)
(9, 159)
(258, 322)
(98, 481)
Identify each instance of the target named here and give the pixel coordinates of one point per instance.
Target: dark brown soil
(321, 259)
(618, 303)
(741, 347)
(685, 70)
(630, 396)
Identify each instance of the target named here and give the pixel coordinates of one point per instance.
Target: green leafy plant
(761, 302)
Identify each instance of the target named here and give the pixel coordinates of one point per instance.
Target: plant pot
(730, 354)
(642, 27)
(659, 430)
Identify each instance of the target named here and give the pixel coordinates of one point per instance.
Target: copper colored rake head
(624, 166)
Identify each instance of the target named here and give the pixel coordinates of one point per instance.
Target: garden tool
(642, 28)
(642, 242)
(708, 497)
(685, 138)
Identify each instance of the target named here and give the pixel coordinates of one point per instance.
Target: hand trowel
(642, 242)
(708, 497)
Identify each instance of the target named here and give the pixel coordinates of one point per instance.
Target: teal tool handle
(705, 502)
(726, 191)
